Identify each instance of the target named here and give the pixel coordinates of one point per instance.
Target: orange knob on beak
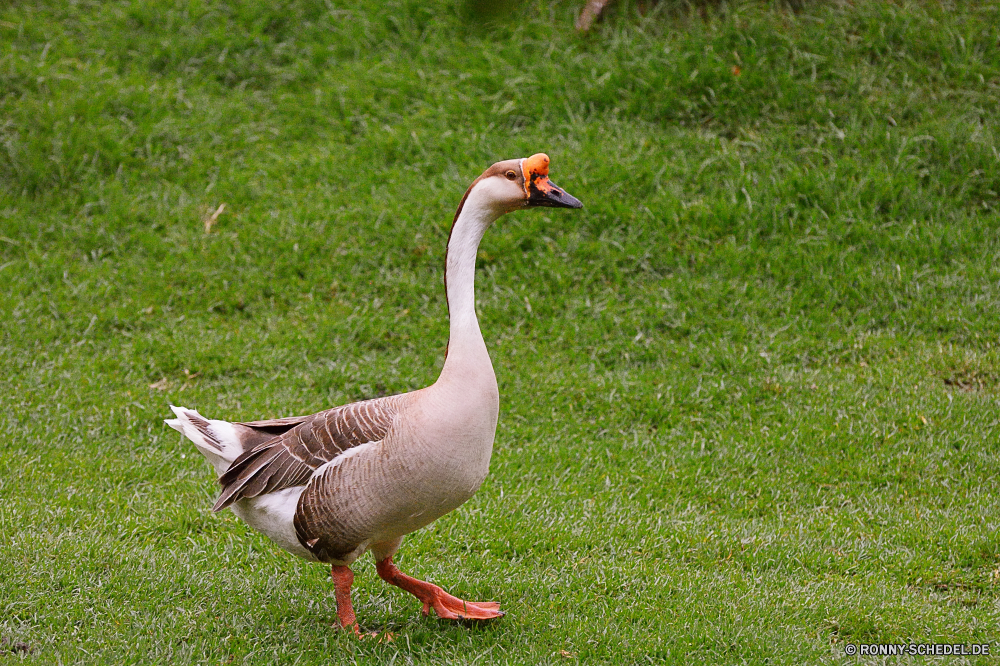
(540, 190)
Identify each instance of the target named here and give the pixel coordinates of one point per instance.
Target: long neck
(466, 349)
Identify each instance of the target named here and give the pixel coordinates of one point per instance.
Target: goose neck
(465, 340)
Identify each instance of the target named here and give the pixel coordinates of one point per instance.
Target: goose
(331, 486)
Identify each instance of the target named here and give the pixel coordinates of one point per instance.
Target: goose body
(330, 486)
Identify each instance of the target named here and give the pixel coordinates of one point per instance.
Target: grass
(749, 393)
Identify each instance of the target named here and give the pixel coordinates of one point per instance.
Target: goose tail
(218, 441)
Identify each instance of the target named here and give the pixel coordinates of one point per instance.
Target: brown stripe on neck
(447, 305)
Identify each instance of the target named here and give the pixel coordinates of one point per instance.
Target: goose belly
(272, 515)
(430, 488)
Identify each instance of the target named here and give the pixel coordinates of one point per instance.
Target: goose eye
(511, 175)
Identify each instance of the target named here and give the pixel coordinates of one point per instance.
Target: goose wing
(289, 458)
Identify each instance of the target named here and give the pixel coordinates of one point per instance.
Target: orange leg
(343, 578)
(432, 596)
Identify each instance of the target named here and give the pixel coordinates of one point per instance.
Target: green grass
(749, 395)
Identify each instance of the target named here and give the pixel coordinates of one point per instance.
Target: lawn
(750, 394)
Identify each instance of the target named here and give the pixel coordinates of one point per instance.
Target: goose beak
(543, 192)
(540, 190)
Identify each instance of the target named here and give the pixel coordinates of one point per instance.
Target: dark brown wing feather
(320, 529)
(288, 459)
(281, 424)
(252, 433)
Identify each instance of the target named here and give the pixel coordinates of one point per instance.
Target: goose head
(520, 183)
